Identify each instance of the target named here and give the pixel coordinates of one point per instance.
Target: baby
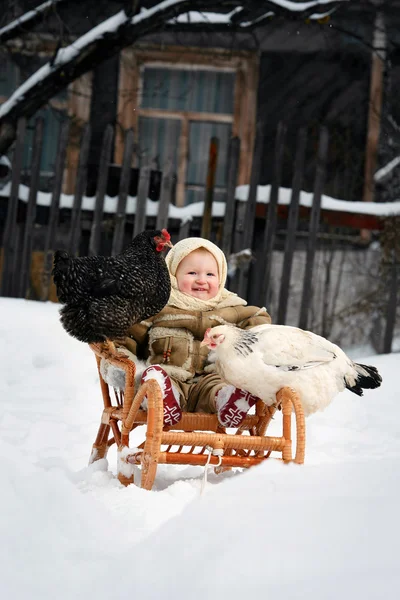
(170, 342)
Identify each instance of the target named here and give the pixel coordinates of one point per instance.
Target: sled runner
(197, 439)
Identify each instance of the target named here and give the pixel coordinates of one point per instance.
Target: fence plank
(9, 236)
(165, 195)
(250, 215)
(209, 192)
(270, 223)
(95, 233)
(81, 180)
(184, 229)
(54, 210)
(292, 225)
(240, 216)
(233, 169)
(26, 255)
(391, 307)
(141, 200)
(314, 224)
(120, 217)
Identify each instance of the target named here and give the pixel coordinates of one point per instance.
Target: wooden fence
(244, 224)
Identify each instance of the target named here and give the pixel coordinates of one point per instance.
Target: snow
(327, 203)
(383, 172)
(301, 6)
(196, 209)
(328, 529)
(26, 17)
(67, 54)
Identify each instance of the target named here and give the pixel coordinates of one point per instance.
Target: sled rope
(211, 452)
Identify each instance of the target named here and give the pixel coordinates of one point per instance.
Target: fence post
(391, 307)
(120, 217)
(314, 223)
(141, 200)
(95, 233)
(208, 199)
(165, 195)
(54, 210)
(270, 223)
(9, 236)
(26, 256)
(184, 229)
(250, 209)
(292, 225)
(81, 179)
(233, 169)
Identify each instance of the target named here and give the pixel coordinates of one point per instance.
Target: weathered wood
(120, 217)
(254, 181)
(54, 210)
(183, 153)
(141, 200)
(95, 233)
(270, 224)
(378, 58)
(391, 307)
(292, 225)
(247, 239)
(209, 192)
(184, 229)
(81, 180)
(233, 169)
(314, 224)
(9, 236)
(26, 254)
(15, 266)
(165, 195)
(236, 283)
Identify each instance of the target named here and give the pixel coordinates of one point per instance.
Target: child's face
(197, 275)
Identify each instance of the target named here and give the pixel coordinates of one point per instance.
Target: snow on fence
(248, 219)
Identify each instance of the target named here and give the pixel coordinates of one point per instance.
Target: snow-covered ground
(328, 529)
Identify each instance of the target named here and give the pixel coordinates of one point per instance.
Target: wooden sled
(197, 439)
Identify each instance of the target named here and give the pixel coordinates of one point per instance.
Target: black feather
(367, 378)
(105, 296)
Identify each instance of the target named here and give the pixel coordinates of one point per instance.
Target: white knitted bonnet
(181, 300)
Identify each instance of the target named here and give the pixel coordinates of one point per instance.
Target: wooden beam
(159, 113)
(375, 110)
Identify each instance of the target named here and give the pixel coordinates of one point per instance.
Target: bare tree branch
(27, 21)
(120, 31)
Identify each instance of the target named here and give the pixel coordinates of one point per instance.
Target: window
(52, 120)
(186, 100)
(176, 101)
(53, 115)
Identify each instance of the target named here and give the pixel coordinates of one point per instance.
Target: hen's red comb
(165, 234)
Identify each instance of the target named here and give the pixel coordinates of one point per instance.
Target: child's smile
(197, 275)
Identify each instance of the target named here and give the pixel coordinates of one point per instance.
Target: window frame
(133, 61)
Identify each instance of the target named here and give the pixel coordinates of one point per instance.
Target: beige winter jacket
(172, 338)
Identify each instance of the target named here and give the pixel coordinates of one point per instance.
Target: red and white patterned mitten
(233, 405)
(172, 409)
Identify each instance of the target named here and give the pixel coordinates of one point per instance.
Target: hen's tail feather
(367, 378)
(76, 322)
(61, 260)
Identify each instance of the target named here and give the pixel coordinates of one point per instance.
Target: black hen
(104, 296)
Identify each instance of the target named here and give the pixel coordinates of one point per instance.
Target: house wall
(308, 90)
(310, 73)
